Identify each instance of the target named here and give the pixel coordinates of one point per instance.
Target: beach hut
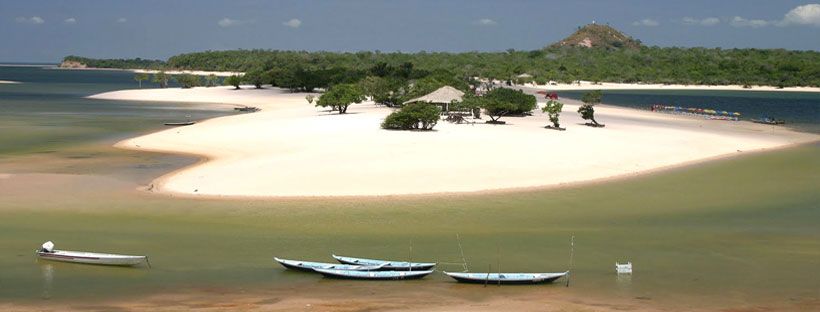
(443, 97)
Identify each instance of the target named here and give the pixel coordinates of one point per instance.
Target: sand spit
(9, 82)
(291, 148)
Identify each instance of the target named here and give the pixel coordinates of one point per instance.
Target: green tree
(587, 111)
(255, 77)
(188, 80)
(211, 80)
(421, 116)
(310, 98)
(139, 78)
(234, 81)
(161, 78)
(502, 101)
(553, 108)
(340, 96)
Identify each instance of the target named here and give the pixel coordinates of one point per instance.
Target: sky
(47, 31)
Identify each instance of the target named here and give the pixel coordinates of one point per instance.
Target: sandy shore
(153, 71)
(8, 81)
(586, 85)
(291, 148)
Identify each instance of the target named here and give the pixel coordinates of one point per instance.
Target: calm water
(801, 110)
(734, 232)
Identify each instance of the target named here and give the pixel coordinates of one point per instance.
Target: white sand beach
(8, 81)
(587, 85)
(291, 148)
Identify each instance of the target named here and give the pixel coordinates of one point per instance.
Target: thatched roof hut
(443, 96)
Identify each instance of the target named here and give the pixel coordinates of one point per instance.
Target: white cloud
(70, 20)
(227, 22)
(122, 20)
(738, 21)
(646, 22)
(486, 22)
(293, 22)
(709, 21)
(803, 15)
(30, 20)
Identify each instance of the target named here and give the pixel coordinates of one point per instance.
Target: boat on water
(247, 109)
(374, 275)
(769, 121)
(47, 252)
(506, 278)
(387, 264)
(309, 266)
(184, 123)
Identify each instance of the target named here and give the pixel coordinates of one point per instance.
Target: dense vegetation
(593, 53)
(117, 63)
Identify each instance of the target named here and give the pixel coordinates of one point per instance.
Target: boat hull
(308, 266)
(386, 265)
(506, 279)
(91, 258)
(374, 275)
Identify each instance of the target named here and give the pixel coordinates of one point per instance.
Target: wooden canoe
(506, 278)
(373, 275)
(91, 257)
(309, 266)
(387, 264)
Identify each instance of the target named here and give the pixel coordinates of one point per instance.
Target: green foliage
(340, 96)
(255, 77)
(413, 116)
(161, 78)
(188, 80)
(211, 80)
(139, 78)
(310, 98)
(592, 98)
(553, 108)
(234, 80)
(136, 63)
(390, 91)
(503, 101)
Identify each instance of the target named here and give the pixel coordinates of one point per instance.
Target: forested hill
(598, 37)
(611, 56)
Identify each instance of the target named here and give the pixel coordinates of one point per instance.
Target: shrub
(423, 116)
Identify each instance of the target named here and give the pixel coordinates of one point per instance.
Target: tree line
(305, 71)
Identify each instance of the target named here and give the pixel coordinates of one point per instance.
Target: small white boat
(49, 253)
(373, 275)
(623, 268)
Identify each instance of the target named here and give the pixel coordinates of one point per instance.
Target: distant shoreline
(154, 71)
(610, 86)
(9, 82)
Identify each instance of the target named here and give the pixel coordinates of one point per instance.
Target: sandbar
(292, 148)
(8, 81)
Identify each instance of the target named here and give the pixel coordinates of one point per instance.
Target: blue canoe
(373, 275)
(309, 266)
(506, 278)
(386, 264)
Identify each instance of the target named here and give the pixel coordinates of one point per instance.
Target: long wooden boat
(309, 266)
(506, 278)
(184, 123)
(387, 264)
(90, 257)
(373, 275)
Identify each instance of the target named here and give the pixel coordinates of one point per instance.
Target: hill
(598, 37)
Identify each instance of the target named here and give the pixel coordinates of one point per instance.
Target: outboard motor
(48, 246)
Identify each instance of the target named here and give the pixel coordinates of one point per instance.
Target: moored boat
(374, 275)
(309, 266)
(387, 264)
(506, 278)
(49, 253)
(184, 123)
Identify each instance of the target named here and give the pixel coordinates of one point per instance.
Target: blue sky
(46, 31)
